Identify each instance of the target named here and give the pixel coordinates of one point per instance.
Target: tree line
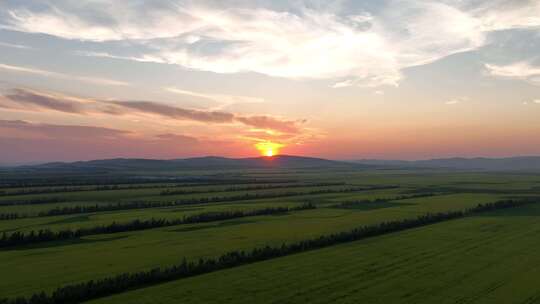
(28, 191)
(453, 189)
(45, 235)
(80, 292)
(62, 189)
(66, 210)
(352, 204)
(252, 196)
(34, 201)
(85, 181)
(248, 188)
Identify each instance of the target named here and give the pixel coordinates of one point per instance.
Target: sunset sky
(397, 79)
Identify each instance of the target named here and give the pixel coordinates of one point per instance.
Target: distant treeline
(192, 201)
(351, 204)
(84, 181)
(76, 293)
(46, 235)
(248, 188)
(34, 201)
(495, 190)
(252, 196)
(154, 185)
(28, 191)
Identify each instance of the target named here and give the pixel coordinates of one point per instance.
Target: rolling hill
(198, 163)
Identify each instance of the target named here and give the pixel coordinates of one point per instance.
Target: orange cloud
(32, 100)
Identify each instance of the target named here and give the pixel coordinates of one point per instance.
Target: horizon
(339, 80)
(268, 157)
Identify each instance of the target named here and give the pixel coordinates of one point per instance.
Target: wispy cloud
(32, 100)
(23, 98)
(30, 141)
(15, 46)
(222, 99)
(25, 129)
(46, 73)
(455, 101)
(361, 48)
(519, 70)
(150, 107)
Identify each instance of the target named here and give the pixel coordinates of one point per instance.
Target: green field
(486, 259)
(475, 259)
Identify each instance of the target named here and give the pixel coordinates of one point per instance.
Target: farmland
(57, 232)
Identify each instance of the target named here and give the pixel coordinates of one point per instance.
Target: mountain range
(197, 163)
(530, 163)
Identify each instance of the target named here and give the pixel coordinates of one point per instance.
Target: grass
(69, 262)
(461, 261)
(103, 218)
(448, 263)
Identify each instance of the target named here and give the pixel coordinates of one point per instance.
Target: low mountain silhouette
(197, 163)
(529, 163)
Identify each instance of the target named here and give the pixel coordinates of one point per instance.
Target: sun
(268, 148)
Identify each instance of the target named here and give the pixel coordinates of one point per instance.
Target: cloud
(45, 73)
(175, 112)
(268, 122)
(15, 46)
(177, 138)
(505, 14)
(519, 70)
(456, 100)
(37, 130)
(32, 99)
(25, 99)
(222, 99)
(24, 141)
(349, 47)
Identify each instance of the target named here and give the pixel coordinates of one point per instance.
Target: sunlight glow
(268, 148)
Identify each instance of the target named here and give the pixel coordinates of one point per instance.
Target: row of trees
(45, 235)
(248, 188)
(76, 293)
(252, 196)
(352, 204)
(27, 191)
(457, 189)
(34, 201)
(65, 210)
(61, 189)
(119, 180)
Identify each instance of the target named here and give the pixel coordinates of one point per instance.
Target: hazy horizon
(344, 80)
(23, 163)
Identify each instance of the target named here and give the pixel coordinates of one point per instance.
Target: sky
(373, 79)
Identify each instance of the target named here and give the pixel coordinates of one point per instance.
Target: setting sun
(268, 148)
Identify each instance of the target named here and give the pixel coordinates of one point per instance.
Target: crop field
(485, 259)
(452, 244)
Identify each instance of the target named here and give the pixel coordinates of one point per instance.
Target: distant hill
(531, 163)
(198, 163)
(526, 163)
